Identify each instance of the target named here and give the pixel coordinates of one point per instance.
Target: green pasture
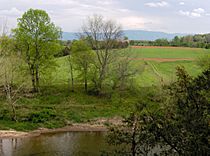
(168, 52)
(154, 72)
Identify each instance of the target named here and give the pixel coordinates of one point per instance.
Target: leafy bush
(41, 116)
(4, 114)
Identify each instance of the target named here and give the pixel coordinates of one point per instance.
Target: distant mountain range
(133, 35)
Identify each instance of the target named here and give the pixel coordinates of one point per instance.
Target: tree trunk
(103, 72)
(72, 78)
(101, 78)
(86, 89)
(14, 117)
(85, 78)
(37, 78)
(33, 81)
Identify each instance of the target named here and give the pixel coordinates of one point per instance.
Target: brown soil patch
(162, 47)
(164, 59)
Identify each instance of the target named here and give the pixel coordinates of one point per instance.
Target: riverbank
(98, 125)
(73, 128)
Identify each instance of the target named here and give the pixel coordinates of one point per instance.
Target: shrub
(41, 116)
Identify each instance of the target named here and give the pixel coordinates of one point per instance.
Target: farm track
(154, 68)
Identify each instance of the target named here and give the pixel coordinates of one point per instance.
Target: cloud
(157, 4)
(199, 12)
(70, 14)
(13, 12)
(136, 22)
(181, 3)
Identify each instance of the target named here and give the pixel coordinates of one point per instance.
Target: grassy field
(154, 71)
(169, 52)
(55, 106)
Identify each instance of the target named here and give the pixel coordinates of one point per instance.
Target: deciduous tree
(101, 35)
(37, 38)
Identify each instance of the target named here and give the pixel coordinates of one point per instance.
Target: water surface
(59, 144)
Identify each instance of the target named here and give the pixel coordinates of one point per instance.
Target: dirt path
(164, 59)
(97, 125)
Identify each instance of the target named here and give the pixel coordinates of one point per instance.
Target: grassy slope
(58, 107)
(148, 78)
(168, 53)
(64, 107)
(166, 70)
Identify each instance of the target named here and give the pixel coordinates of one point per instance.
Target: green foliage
(204, 61)
(37, 41)
(79, 47)
(179, 124)
(161, 42)
(8, 59)
(4, 114)
(176, 41)
(83, 59)
(42, 116)
(184, 125)
(123, 71)
(6, 45)
(19, 126)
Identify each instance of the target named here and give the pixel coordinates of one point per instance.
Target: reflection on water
(59, 144)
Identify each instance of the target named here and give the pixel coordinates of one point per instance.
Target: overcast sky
(183, 16)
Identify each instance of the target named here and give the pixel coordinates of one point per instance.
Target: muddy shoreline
(5, 134)
(97, 125)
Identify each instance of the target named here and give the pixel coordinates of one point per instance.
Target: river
(58, 144)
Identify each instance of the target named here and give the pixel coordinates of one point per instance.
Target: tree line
(194, 41)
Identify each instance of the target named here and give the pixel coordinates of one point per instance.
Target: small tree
(83, 57)
(9, 63)
(37, 38)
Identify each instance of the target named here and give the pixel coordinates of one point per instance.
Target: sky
(172, 16)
